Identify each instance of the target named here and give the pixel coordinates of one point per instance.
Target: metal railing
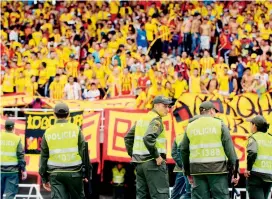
(237, 195)
(32, 187)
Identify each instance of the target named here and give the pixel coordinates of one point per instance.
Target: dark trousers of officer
(216, 184)
(152, 180)
(118, 191)
(181, 187)
(66, 185)
(257, 188)
(9, 185)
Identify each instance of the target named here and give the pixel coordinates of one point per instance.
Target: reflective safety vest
(118, 176)
(263, 162)
(62, 140)
(142, 124)
(205, 141)
(9, 143)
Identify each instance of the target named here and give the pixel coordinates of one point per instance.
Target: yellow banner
(15, 100)
(118, 102)
(234, 112)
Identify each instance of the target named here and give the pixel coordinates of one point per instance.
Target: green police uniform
(205, 146)
(61, 158)
(259, 162)
(145, 142)
(12, 160)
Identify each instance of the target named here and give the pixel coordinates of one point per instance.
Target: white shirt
(264, 78)
(91, 94)
(13, 36)
(72, 91)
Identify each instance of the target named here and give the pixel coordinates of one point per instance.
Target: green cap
(207, 105)
(61, 108)
(162, 99)
(9, 123)
(258, 121)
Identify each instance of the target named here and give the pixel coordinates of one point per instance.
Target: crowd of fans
(97, 49)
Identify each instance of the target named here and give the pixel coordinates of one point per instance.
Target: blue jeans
(9, 185)
(165, 45)
(187, 42)
(195, 43)
(181, 187)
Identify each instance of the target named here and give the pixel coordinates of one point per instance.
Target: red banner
(118, 123)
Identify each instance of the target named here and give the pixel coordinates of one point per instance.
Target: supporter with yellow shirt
(113, 45)
(72, 66)
(195, 82)
(56, 88)
(150, 30)
(63, 76)
(31, 86)
(114, 8)
(140, 98)
(195, 64)
(224, 83)
(35, 64)
(20, 83)
(180, 86)
(114, 83)
(37, 36)
(28, 72)
(126, 83)
(125, 9)
(101, 77)
(169, 90)
(43, 79)
(219, 68)
(8, 82)
(253, 65)
(65, 17)
(160, 90)
(206, 62)
(88, 73)
(52, 64)
(266, 31)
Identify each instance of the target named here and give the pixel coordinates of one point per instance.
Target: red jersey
(142, 82)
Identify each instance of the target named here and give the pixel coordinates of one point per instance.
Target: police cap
(9, 123)
(207, 105)
(162, 99)
(61, 108)
(259, 121)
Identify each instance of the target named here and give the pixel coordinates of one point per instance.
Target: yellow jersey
(20, 85)
(8, 83)
(56, 90)
(224, 83)
(195, 84)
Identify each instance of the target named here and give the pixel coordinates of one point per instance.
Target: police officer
(259, 160)
(118, 180)
(12, 161)
(146, 144)
(204, 148)
(61, 157)
(182, 186)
